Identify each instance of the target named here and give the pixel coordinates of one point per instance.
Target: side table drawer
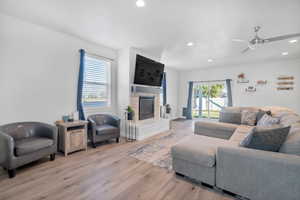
(77, 140)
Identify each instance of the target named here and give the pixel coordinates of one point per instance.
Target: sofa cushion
(198, 149)
(230, 116)
(292, 142)
(240, 133)
(249, 117)
(106, 129)
(31, 144)
(289, 119)
(261, 113)
(215, 129)
(268, 120)
(266, 138)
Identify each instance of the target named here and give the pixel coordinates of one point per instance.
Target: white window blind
(96, 85)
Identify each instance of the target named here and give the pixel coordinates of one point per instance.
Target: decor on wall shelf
(261, 82)
(285, 88)
(250, 89)
(285, 83)
(242, 78)
(285, 78)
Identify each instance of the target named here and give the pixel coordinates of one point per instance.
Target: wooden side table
(72, 136)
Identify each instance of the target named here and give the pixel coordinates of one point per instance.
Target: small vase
(168, 109)
(130, 115)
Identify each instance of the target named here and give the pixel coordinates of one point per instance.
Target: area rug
(158, 151)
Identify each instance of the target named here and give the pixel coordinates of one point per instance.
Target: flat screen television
(148, 72)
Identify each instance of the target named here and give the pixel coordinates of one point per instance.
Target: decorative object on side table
(72, 136)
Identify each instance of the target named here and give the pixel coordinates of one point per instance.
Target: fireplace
(146, 107)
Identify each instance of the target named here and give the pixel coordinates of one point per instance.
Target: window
(96, 82)
(163, 93)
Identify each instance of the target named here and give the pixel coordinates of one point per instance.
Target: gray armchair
(25, 142)
(103, 127)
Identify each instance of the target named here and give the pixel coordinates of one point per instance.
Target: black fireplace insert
(146, 108)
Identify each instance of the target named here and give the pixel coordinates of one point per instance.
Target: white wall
(173, 90)
(123, 80)
(39, 72)
(265, 96)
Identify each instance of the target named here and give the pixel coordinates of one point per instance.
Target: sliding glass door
(208, 99)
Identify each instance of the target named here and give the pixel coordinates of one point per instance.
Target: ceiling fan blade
(239, 40)
(245, 50)
(282, 37)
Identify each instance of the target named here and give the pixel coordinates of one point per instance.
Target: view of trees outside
(213, 98)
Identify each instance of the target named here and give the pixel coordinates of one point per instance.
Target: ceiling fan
(252, 44)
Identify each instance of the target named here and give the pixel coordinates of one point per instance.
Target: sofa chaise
(214, 156)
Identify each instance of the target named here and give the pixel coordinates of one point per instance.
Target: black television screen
(148, 72)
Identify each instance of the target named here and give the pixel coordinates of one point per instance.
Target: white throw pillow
(249, 117)
(268, 120)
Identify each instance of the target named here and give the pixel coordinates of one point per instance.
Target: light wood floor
(103, 173)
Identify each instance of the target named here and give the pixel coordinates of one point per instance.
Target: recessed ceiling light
(210, 60)
(285, 53)
(293, 41)
(190, 44)
(140, 3)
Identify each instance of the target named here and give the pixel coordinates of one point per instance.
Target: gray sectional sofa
(213, 156)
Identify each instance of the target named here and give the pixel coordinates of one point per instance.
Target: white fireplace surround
(135, 104)
(148, 127)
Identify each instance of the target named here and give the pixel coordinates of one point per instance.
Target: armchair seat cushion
(106, 129)
(31, 144)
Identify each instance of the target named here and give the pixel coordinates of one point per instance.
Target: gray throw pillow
(249, 117)
(266, 138)
(268, 120)
(261, 113)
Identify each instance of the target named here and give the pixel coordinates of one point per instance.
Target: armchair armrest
(114, 120)
(257, 174)
(46, 130)
(92, 129)
(6, 147)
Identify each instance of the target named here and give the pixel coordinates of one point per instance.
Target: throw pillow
(266, 138)
(249, 117)
(268, 120)
(261, 113)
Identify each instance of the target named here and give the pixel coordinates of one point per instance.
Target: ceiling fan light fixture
(285, 53)
(210, 60)
(293, 41)
(140, 3)
(190, 44)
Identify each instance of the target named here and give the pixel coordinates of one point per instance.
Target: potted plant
(130, 113)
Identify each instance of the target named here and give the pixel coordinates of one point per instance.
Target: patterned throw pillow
(261, 113)
(266, 138)
(249, 117)
(268, 120)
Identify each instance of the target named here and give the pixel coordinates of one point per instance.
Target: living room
(219, 76)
